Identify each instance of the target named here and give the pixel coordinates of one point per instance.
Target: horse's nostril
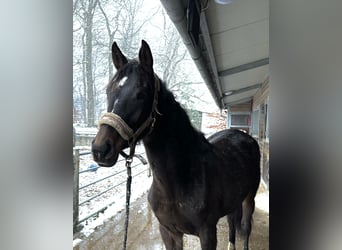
(101, 151)
(108, 152)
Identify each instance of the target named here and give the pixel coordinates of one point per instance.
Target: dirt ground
(144, 233)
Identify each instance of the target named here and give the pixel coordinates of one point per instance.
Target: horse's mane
(178, 116)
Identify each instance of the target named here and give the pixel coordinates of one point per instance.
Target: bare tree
(174, 63)
(124, 25)
(97, 23)
(112, 27)
(85, 10)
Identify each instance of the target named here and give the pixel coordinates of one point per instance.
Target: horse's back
(234, 137)
(241, 155)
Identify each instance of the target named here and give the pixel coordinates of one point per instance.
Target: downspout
(176, 10)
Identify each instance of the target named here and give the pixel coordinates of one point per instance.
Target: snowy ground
(140, 184)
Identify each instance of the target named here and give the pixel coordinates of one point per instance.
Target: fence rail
(77, 204)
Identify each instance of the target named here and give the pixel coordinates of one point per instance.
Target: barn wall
(212, 122)
(245, 107)
(262, 94)
(260, 103)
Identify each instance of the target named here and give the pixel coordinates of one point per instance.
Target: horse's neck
(170, 144)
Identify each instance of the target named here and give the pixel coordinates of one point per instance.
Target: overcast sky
(151, 36)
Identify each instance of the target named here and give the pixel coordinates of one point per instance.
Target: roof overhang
(232, 52)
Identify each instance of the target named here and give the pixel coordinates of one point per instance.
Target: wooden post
(76, 186)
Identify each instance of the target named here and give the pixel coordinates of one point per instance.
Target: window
(239, 120)
(266, 120)
(255, 123)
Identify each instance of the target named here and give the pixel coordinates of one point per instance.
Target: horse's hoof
(231, 246)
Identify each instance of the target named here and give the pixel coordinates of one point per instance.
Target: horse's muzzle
(103, 154)
(106, 146)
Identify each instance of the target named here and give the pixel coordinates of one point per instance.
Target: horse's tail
(243, 215)
(243, 223)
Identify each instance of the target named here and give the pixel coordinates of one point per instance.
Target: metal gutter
(176, 10)
(210, 51)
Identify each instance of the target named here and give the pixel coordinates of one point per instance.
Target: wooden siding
(261, 95)
(259, 103)
(245, 107)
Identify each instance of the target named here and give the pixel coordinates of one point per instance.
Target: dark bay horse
(196, 181)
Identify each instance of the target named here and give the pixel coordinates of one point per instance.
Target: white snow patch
(76, 242)
(262, 201)
(86, 130)
(140, 185)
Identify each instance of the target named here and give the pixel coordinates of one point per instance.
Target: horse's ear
(119, 59)
(145, 56)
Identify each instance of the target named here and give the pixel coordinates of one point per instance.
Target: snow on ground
(262, 200)
(140, 184)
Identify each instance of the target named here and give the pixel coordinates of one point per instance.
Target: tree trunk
(89, 67)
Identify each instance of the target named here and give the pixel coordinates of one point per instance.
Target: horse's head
(132, 97)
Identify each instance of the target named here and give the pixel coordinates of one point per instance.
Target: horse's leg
(232, 230)
(207, 237)
(171, 240)
(248, 206)
(234, 220)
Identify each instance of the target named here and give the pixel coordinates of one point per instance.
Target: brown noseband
(124, 130)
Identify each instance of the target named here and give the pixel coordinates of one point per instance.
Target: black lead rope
(129, 160)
